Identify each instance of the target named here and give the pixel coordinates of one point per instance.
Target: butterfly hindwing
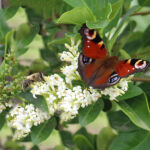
(96, 73)
(130, 66)
(92, 44)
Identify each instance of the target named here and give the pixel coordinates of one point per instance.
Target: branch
(141, 79)
(141, 13)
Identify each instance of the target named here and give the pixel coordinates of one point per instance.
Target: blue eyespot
(85, 59)
(114, 78)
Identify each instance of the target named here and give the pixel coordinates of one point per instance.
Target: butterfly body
(97, 68)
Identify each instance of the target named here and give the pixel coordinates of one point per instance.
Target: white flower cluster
(60, 95)
(22, 118)
(70, 71)
(4, 105)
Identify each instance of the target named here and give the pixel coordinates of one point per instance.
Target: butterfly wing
(92, 44)
(98, 69)
(130, 66)
(96, 72)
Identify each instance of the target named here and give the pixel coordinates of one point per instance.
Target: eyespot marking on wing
(140, 64)
(114, 78)
(86, 60)
(90, 34)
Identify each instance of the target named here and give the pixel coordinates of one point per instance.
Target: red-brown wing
(95, 73)
(87, 67)
(130, 66)
(92, 44)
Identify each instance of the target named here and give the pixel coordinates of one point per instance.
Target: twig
(141, 13)
(141, 79)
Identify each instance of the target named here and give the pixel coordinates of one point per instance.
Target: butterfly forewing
(92, 44)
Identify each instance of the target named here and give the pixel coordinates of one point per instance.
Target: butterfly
(97, 68)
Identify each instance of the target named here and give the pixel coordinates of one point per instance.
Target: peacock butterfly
(97, 68)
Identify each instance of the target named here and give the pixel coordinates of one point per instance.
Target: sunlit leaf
(72, 16)
(137, 109)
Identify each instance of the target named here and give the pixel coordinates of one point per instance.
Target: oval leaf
(72, 16)
(82, 142)
(138, 140)
(133, 91)
(118, 120)
(66, 138)
(137, 110)
(42, 132)
(104, 138)
(89, 113)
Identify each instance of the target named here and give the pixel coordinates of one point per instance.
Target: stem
(141, 13)
(141, 79)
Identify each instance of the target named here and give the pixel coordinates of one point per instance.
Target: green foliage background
(37, 30)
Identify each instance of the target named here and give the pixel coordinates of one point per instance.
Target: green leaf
(59, 147)
(114, 37)
(39, 101)
(113, 22)
(44, 8)
(115, 9)
(134, 42)
(72, 16)
(104, 138)
(24, 37)
(100, 8)
(10, 12)
(133, 91)
(82, 142)
(138, 140)
(144, 2)
(137, 110)
(97, 24)
(90, 137)
(74, 3)
(118, 120)
(8, 39)
(59, 41)
(66, 138)
(89, 113)
(13, 145)
(146, 88)
(124, 54)
(2, 118)
(145, 37)
(3, 25)
(42, 132)
(50, 55)
(35, 147)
